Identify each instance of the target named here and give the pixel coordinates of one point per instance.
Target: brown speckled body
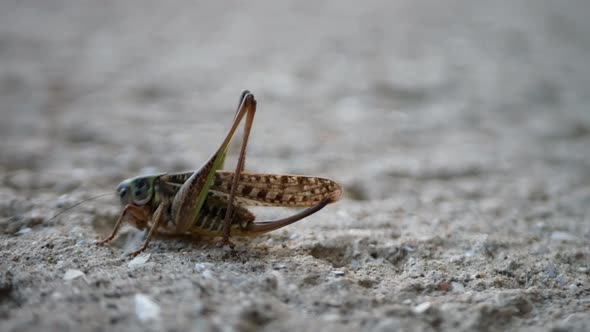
(254, 189)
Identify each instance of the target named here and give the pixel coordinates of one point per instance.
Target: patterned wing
(263, 189)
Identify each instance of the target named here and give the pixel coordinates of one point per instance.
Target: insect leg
(250, 109)
(158, 216)
(129, 211)
(191, 196)
(257, 228)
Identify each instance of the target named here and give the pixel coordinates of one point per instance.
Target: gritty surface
(460, 131)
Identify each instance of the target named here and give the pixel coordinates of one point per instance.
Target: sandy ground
(460, 131)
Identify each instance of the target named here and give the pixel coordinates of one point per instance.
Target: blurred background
(344, 90)
(472, 115)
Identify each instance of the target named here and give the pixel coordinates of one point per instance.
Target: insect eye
(122, 192)
(141, 190)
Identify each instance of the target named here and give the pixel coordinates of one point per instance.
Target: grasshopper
(212, 203)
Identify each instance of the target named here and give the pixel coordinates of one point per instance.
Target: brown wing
(262, 189)
(277, 189)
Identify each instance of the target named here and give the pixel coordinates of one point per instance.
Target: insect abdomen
(210, 220)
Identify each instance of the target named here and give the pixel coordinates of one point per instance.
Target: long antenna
(73, 206)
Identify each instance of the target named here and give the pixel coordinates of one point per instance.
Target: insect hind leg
(257, 228)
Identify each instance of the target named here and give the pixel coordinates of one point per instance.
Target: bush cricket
(210, 202)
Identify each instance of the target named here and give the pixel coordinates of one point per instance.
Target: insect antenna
(83, 201)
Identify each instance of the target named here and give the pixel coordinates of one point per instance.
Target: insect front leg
(157, 221)
(131, 211)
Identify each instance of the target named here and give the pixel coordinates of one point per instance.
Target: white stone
(201, 267)
(422, 307)
(24, 231)
(146, 309)
(562, 236)
(338, 273)
(138, 261)
(458, 287)
(73, 274)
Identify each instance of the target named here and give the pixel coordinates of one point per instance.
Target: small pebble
(138, 261)
(573, 287)
(271, 280)
(562, 236)
(409, 248)
(207, 274)
(562, 280)
(145, 308)
(338, 273)
(73, 274)
(539, 225)
(64, 201)
(458, 287)
(444, 286)
(24, 231)
(551, 270)
(201, 267)
(330, 317)
(422, 307)
(470, 253)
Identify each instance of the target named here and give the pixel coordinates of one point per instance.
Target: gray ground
(460, 131)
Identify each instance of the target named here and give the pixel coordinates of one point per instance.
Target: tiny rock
(562, 236)
(146, 309)
(551, 270)
(23, 231)
(457, 287)
(409, 248)
(422, 307)
(470, 253)
(138, 261)
(202, 267)
(444, 286)
(562, 280)
(207, 274)
(338, 273)
(73, 274)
